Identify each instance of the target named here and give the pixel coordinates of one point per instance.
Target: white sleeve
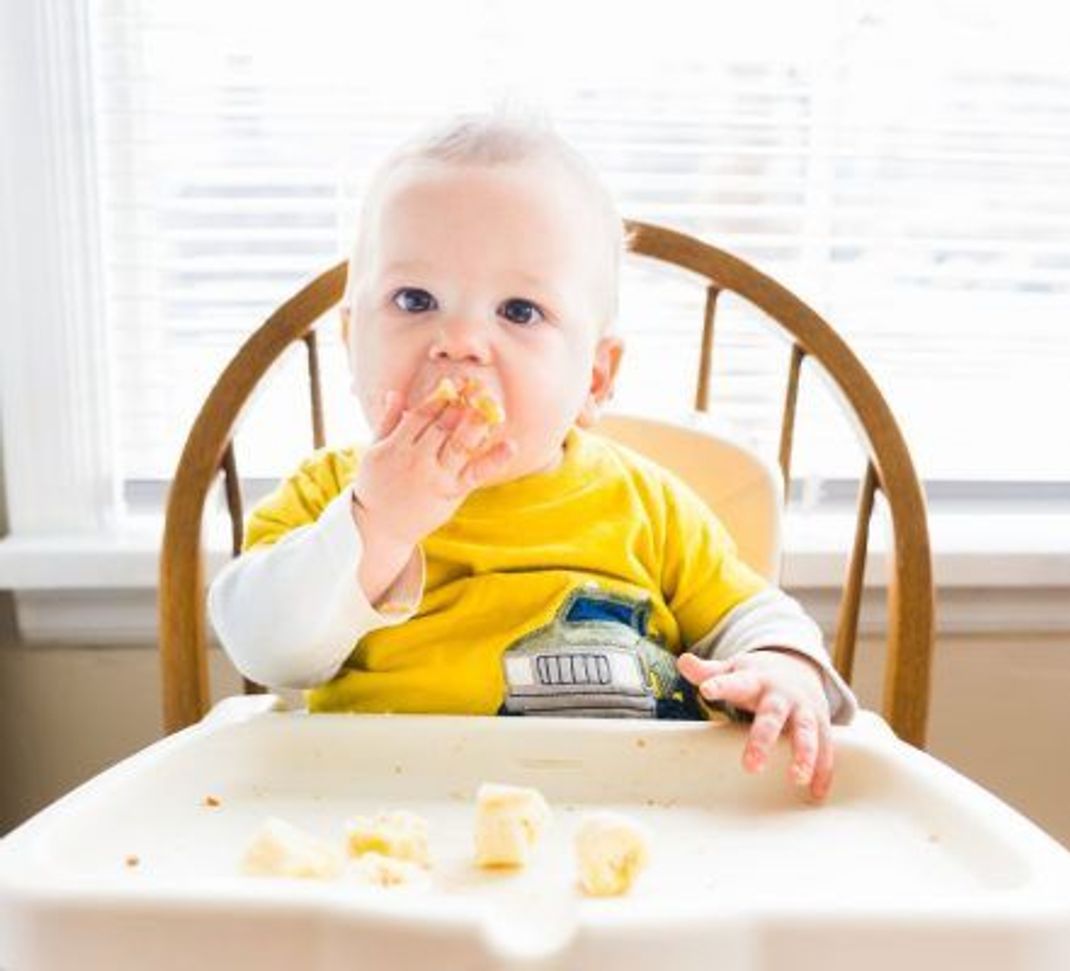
(290, 614)
(772, 619)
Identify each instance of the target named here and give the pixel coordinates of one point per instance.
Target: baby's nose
(461, 339)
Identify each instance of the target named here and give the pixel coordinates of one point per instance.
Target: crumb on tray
(400, 834)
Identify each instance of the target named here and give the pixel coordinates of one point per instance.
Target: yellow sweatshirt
(568, 591)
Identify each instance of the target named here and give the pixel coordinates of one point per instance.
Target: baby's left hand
(782, 688)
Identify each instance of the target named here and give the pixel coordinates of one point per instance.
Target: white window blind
(904, 168)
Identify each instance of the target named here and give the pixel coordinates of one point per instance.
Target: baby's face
(492, 273)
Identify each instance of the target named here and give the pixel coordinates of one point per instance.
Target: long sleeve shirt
(567, 592)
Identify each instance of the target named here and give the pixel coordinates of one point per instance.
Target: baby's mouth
(471, 392)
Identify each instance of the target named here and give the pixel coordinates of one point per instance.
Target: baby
(486, 553)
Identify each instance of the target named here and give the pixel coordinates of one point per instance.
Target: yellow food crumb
(490, 408)
(211, 801)
(399, 834)
(471, 393)
(445, 391)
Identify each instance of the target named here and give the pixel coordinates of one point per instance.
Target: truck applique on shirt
(596, 658)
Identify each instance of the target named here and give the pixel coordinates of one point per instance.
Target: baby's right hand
(421, 467)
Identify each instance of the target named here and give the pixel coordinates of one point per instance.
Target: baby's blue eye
(413, 300)
(520, 311)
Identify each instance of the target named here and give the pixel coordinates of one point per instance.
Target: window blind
(904, 168)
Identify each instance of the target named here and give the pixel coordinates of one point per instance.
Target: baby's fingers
(769, 719)
(415, 423)
(697, 669)
(805, 744)
(393, 408)
(463, 443)
(826, 752)
(484, 467)
(742, 688)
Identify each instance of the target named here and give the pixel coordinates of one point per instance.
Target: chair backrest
(744, 491)
(887, 467)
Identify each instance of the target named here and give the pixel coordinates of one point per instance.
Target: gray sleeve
(772, 619)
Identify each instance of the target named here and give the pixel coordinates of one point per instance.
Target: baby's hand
(422, 466)
(781, 688)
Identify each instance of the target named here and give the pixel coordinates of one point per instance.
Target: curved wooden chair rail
(208, 450)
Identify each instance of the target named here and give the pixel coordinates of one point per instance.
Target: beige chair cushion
(744, 491)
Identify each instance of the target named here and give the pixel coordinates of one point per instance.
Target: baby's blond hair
(501, 137)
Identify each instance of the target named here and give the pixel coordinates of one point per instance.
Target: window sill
(994, 572)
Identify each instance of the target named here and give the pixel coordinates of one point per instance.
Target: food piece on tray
(280, 849)
(399, 834)
(611, 849)
(388, 871)
(509, 821)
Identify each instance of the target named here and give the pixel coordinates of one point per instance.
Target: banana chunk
(489, 407)
(446, 392)
(471, 393)
(611, 850)
(509, 822)
(400, 834)
(280, 849)
(388, 872)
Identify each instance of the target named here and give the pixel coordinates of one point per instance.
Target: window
(904, 168)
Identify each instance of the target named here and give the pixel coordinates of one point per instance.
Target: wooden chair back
(887, 467)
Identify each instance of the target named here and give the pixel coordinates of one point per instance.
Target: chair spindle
(851, 601)
(232, 486)
(705, 364)
(787, 422)
(319, 437)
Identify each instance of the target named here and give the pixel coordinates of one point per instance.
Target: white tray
(907, 865)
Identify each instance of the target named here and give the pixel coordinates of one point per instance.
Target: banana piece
(446, 392)
(509, 821)
(280, 849)
(489, 407)
(400, 835)
(611, 850)
(471, 393)
(387, 871)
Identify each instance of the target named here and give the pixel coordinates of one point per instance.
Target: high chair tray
(907, 864)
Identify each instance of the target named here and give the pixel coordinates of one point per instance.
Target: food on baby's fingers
(280, 849)
(471, 393)
(509, 822)
(445, 392)
(490, 408)
(400, 834)
(611, 850)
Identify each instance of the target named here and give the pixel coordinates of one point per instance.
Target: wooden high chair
(740, 488)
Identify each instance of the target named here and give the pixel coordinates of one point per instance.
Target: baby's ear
(607, 355)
